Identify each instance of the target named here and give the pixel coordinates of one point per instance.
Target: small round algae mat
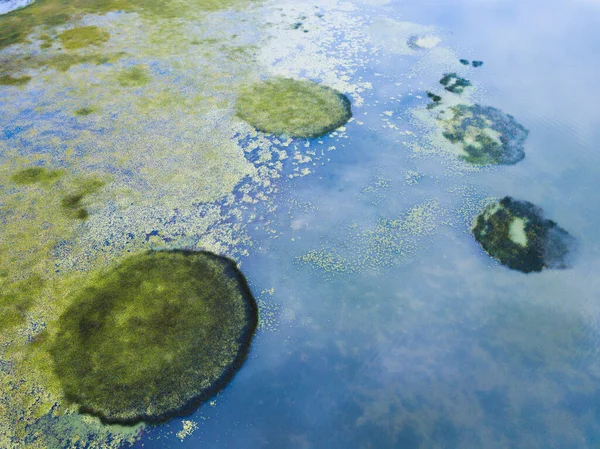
(294, 108)
(155, 336)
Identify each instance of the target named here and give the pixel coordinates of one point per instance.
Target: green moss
(516, 234)
(33, 175)
(135, 76)
(72, 203)
(294, 108)
(155, 336)
(82, 37)
(8, 80)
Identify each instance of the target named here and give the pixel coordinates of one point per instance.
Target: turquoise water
(385, 325)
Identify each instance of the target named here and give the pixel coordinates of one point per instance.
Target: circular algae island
(485, 135)
(155, 336)
(294, 108)
(517, 235)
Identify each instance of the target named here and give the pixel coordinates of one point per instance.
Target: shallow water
(384, 324)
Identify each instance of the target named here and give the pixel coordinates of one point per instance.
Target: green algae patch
(82, 37)
(517, 235)
(486, 135)
(136, 76)
(294, 108)
(72, 202)
(17, 25)
(35, 175)
(155, 336)
(87, 110)
(454, 83)
(8, 80)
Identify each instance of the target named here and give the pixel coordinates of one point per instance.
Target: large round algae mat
(155, 336)
(294, 108)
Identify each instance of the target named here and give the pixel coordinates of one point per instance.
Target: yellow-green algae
(295, 108)
(135, 76)
(72, 202)
(82, 37)
(8, 80)
(33, 175)
(169, 178)
(155, 336)
(16, 26)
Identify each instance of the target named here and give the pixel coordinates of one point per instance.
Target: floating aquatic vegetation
(33, 175)
(454, 83)
(485, 134)
(517, 235)
(17, 25)
(82, 37)
(87, 110)
(8, 80)
(285, 106)
(477, 63)
(155, 336)
(464, 61)
(72, 203)
(136, 76)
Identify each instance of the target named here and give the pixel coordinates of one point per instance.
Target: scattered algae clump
(486, 135)
(285, 106)
(155, 336)
(82, 37)
(517, 235)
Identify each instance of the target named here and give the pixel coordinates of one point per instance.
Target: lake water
(383, 322)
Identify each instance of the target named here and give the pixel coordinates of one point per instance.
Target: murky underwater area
(382, 321)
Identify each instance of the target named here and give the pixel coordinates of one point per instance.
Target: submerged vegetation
(82, 37)
(135, 76)
(454, 83)
(72, 202)
(294, 108)
(33, 175)
(485, 134)
(155, 336)
(8, 80)
(517, 235)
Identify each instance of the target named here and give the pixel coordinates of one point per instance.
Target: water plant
(485, 134)
(517, 235)
(72, 202)
(135, 76)
(154, 336)
(295, 108)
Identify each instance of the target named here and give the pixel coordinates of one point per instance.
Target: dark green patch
(33, 175)
(464, 61)
(85, 111)
(72, 203)
(285, 106)
(487, 135)
(543, 243)
(454, 83)
(477, 63)
(155, 336)
(8, 80)
(135, 76)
